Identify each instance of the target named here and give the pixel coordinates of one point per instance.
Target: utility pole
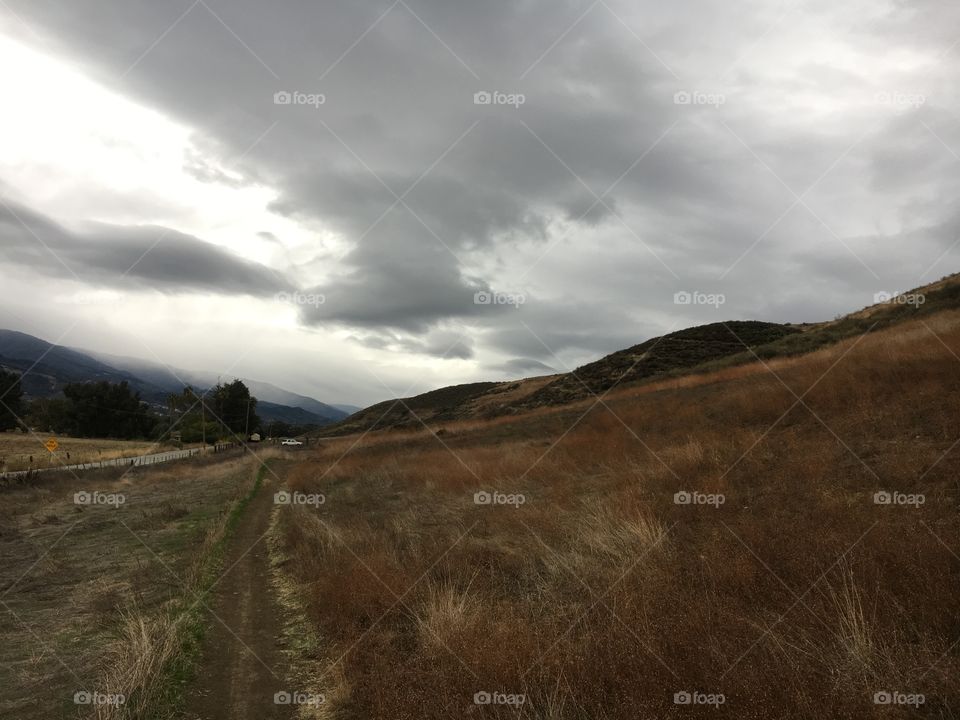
(203, 423)
(246, 430)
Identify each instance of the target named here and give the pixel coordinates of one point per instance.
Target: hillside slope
(781, 535)
(692, 350)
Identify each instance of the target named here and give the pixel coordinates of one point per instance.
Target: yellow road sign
(52, 444)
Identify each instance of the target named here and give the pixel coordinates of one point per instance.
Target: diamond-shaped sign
(52, 444)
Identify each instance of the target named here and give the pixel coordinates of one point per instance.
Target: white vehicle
(291, 441)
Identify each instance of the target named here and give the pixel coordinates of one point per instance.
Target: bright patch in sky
(80, 152)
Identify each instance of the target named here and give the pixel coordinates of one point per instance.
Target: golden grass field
(602, 597)
(543, 566)
(16, 449)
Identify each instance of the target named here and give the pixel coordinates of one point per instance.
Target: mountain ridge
(48, 367)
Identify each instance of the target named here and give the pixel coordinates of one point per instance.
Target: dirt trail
(241, 663)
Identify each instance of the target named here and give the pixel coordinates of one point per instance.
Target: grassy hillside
(692, 350)
(781, 535)
(671, 353)
(447, 403)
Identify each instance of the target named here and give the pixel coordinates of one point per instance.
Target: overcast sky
(314, 193)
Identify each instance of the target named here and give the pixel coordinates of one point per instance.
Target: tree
(279, 428)
(11, 395)
(235, 407)
(191, 416)
(104, 409)
(220, 411)
(51, 415)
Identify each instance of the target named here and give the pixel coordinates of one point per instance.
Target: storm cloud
(597, 159)
(143, 256)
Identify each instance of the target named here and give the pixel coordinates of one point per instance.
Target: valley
(752, 533)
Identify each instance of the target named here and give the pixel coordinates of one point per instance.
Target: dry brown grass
(17, 449)
(599, 597)
(87, 589)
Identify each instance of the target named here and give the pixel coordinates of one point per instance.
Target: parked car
(291, 441)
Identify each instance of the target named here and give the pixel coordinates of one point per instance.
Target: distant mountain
(51, 367)
(48, 368)
(173, 379)
(348, 409)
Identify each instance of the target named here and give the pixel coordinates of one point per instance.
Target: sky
(363, 200)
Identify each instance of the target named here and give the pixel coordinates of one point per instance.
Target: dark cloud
(439, 344)
(798, 194)
(142, 256)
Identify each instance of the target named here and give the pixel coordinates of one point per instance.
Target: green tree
(278, 428)
(11, 396)
(235, 407)
(51, 415)
(104, 409)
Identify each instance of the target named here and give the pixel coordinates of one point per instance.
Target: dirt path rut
(241, 664)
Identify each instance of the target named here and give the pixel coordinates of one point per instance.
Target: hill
(692, 350)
